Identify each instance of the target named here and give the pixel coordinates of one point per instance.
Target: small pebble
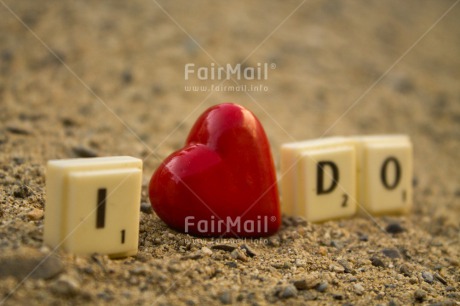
(231, 264)
(22, 192)
(363, 237)
(457, 193)
(249, 251)
(146, 208)
(377, 262)
(322, 251)
(206, 251)
(35, 214)
(337, 296)
(282, 265)
(336, 268)
(127, 77)
(403, 84)
(174, 268)
(195, 255)
(391, 253)
(440, 279)
(454, 295)
(226, 297)
(274, 241)
(359, 289)
(237, 254)
(3, 138)
(392, 303)
(300, 263)
(309, 282)
(18, 160)
(286, 221)
(6, 55)
(336, 244)
(405, 270)
(65, 286)
(88, 270)
(405, 253)
(68, 122)
(427, 276)
(85, 152)
(346, 265)
(437, 267)
(299, 221)
(454, 262)
(139, 270)
(394, 228)
(224, 247)
(322, 286)
(419, 295)
(18, 130)
(300, 284)
(310, 295)
(106, 296)
(288, 292)
(19, 263)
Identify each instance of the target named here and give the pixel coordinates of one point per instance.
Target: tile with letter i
(385, 170)
(92, 205)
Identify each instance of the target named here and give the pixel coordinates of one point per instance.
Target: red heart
(223, 182)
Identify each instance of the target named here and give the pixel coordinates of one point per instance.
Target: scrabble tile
(326, 183)
(92, 205)
(290, 157)
(385, 170)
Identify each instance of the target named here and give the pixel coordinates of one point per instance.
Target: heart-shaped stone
(223, 182)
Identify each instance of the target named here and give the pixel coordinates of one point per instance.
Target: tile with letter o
(385, 171)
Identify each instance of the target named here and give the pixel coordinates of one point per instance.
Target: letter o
(383, 173)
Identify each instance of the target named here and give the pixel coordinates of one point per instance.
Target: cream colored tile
(113, 226)
(290, 157)
(360, 143)
(327, 183)
(386, 173)
(71, 208)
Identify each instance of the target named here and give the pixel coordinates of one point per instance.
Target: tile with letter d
(327, 183)
(92, 205)
(290, 159)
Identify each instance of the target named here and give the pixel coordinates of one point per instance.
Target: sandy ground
(107, 78)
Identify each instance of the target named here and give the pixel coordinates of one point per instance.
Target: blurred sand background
(82, 78)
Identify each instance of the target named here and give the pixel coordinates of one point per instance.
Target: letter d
(320, 189)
